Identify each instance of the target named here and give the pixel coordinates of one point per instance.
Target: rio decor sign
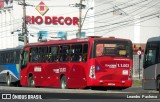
(54, 20)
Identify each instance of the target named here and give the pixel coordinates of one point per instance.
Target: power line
(113, 18)
(119, 8)
(126, 24)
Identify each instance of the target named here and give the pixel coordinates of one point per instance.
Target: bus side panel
(23, 79)
(12, 69)
(41, 77)
(2, 74)
(77, 75)
(52, 71)
(149, 81)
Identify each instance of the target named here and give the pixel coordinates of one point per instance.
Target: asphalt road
(22, 94)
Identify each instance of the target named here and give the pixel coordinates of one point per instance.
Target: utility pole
(81, 6)
(80, 16)
(24, 26)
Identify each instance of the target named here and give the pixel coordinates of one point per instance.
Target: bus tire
(63, 82)
(8, 80)
(158, 86)
(31, 82)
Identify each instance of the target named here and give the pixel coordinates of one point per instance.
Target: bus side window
(64, 53)
(43, 54)
(17, 56)
(54, 54)
(24, 59)
(85, 52)
(34, 55)
(76, 53)
(151, 57)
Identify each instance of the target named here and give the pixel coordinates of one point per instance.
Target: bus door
(150, 67)
(23, 66)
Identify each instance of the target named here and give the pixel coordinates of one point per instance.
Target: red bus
(78, 63)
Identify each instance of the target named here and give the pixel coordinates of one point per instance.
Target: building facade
(136, 20)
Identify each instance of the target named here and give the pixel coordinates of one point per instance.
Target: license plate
(125, 72)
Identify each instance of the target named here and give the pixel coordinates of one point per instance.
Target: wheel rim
(63, 84)
(31, 82)
(8, 80)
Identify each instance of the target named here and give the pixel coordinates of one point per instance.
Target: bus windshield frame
(112, 48)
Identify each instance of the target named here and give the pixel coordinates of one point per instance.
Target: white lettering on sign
(123, 65)
(111, 65)
(56, 70)
(62, 70)
(37, 69)
(117, 65)
(55, 20)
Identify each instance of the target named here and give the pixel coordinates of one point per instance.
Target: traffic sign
(139, 52)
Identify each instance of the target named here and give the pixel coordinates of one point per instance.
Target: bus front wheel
(63, 82)
(31, 81)
(8, 80)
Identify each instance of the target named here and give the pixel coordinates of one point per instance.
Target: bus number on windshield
(123, 65)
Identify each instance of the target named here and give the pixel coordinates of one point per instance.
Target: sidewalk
(137, 83)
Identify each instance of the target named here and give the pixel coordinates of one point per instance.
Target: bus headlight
(92, 72)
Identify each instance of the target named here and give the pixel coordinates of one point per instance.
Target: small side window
(85, 52)
(24, 60)
(150, 58)
(76, 53)
(64, 53)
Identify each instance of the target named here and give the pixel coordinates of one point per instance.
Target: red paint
(109, 71)
(54, 20)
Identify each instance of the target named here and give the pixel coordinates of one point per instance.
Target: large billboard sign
(55, 20)
(42, 8)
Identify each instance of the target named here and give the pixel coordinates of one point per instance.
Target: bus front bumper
(111, 83)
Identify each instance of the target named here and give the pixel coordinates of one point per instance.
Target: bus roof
(76, 40)
(154, 39)
(15, 48)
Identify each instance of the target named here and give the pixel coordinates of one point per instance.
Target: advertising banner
(4, 4)
(62, 35)
(42, 36)
(83, 35)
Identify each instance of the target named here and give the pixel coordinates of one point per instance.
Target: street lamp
(81, 24)
(91, 8)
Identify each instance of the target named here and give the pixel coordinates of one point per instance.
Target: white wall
(101, 21)
(11, 22)
(135, 20)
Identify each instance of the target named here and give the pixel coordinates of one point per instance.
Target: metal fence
(137, 67)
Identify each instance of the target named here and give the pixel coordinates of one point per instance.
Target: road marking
(64, 99)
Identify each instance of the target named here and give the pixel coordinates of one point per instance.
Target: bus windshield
(114, 48)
